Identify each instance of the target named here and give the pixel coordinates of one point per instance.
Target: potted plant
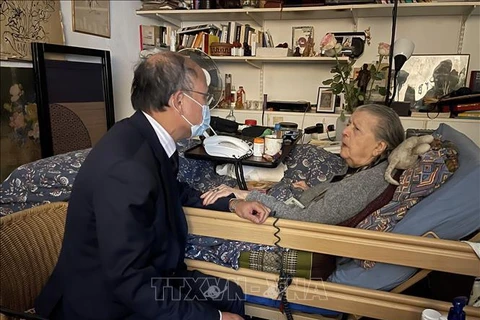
(354, 94)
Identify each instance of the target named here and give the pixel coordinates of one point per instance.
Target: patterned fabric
(310, 163)
(417, 182)
(219, 251)
(43, 181)
(273, 261)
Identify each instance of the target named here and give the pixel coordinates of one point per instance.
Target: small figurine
(308, 52)
(363, 78)
(297, 52)
(368, 36)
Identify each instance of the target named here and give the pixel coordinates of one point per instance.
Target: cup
(273, 145)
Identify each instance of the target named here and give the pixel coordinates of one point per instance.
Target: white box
(273, 52)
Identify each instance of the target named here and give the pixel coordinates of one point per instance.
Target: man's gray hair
(158, 77)
(389, 127)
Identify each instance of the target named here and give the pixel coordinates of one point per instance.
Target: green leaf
(373, 69)
(382, 91)
(327, 82)
(337, 78)
(337, 88)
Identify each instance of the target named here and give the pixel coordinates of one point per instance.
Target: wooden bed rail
(331, 296)
(424, 253)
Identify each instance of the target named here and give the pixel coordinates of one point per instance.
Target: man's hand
(301, 185)
(230, 316)
(221, 191)
(251, 210)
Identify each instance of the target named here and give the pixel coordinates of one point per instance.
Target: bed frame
(419, 252)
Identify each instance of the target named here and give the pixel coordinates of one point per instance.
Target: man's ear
(380, 148)
(176, 101)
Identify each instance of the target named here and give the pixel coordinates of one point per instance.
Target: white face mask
(199, 129)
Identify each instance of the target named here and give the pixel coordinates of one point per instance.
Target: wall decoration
(300, 37)
(23, 22)
(91, 17)
(431, 77)
(75, 98)
(326, 100)
(19, 129)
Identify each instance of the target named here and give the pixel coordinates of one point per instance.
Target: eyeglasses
(208, 96)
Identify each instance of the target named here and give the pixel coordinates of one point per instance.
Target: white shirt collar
(165, 139)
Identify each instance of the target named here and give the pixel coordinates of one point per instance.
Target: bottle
(228, 89)
(456, 311)
(277, 130)
(240, 98)
(258, 147)
(232, 98)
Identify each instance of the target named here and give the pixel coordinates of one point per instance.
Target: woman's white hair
(389, 127)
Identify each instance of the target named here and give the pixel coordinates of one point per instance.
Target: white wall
(123, 46)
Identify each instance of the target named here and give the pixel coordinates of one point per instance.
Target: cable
(392, 45)
(394, 89)
(284, 279)
(303, 121)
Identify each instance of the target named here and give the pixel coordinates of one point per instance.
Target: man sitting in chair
(124, 243)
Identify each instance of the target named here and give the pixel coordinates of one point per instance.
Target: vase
(341, 124)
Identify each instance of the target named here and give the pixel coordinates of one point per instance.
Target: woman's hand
(221, 191)
(301, 185)
(251, 210)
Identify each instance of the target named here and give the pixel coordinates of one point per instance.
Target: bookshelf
(354, 12)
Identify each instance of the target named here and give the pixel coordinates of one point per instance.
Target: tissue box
(273, 52)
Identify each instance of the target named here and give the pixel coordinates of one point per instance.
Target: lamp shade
(402, 50)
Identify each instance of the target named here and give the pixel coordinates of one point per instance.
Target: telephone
(226, 146)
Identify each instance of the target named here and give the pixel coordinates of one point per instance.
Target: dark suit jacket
(125, 226)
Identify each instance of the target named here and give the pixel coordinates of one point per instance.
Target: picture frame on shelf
(325, 100)
(91, 17)
(431, 76)
(300, 37)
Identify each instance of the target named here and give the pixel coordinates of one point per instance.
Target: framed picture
(300, 37)
(431, 77)
(23, 22)
(91, 17)
(75, 98)
(325, 100)
(19, 127)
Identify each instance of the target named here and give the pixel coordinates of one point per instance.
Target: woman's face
(359, 145)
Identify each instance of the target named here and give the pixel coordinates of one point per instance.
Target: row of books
(233, 32)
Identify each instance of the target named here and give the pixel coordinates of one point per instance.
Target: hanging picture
(431, 77)
(326, 100)
(91, 17)
(22, 22)
(19, 129)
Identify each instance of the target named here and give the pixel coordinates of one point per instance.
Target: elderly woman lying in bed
(372, 133)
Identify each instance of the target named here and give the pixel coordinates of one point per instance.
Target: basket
(220, 49)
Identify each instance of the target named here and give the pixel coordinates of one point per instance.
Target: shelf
(321, 12)
(281, 59)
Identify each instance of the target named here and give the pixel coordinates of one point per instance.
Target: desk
(198, 152)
